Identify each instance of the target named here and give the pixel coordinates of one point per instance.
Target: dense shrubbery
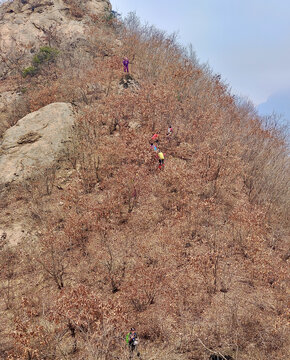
(45, 55)
(29, 71)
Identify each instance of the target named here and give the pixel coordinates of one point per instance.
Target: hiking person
(153, 146)
(132, 339)
(126, 64)
(155, 137)
(161, 159)
(169, 131)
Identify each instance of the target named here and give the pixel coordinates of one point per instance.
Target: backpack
(127, 338)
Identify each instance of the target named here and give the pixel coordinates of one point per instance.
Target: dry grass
(194, 252)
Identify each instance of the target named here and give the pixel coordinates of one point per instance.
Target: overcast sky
(246, 41)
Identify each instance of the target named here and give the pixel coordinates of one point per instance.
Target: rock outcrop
(25, 25)
(36, 142)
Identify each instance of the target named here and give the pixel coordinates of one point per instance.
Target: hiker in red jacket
(155, 137)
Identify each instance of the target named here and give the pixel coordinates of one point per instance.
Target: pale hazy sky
(246, 41)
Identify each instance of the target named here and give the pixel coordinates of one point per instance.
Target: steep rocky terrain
(24, 24)
(94, 237)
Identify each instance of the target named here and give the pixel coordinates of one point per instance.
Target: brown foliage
(193, 256)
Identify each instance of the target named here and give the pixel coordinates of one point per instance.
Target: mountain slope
(194, 255)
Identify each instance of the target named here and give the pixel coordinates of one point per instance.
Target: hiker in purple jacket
(126, 64)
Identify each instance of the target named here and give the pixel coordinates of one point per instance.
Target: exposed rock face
(128, 81)
(12, 235)
(28, 24)
(35, 142)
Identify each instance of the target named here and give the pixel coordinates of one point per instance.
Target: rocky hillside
(24, 24)
(95, 237)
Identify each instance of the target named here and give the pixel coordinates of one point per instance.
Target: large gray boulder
(36, 142)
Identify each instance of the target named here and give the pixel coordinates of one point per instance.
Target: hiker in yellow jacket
(161, 159)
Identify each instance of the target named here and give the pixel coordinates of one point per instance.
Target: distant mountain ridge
(278, 103)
